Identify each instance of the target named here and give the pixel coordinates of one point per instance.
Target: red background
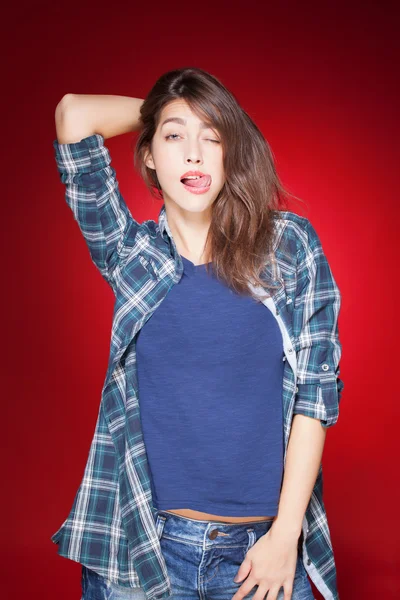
(320, 80)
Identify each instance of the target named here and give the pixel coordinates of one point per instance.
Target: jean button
(213, 534)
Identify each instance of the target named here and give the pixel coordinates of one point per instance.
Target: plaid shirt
(111, 527)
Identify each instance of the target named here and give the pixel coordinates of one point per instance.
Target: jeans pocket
(94, 586)
(302, 587)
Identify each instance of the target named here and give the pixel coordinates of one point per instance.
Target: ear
(148, 159)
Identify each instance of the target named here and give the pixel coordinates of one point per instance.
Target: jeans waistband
(212, 533)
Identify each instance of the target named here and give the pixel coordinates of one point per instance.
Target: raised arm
(84, 164)
(80, 115)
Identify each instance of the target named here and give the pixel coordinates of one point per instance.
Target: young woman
(204, 476)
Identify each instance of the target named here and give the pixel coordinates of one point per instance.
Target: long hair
(243, 216)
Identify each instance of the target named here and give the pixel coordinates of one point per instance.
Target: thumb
(244, 570)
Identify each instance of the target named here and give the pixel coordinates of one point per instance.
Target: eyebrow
(181, 121)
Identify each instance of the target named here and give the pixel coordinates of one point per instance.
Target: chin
(192, 202)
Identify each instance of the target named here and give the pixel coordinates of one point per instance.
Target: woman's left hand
(271, 564)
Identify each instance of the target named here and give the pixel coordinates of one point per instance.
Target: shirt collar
(163, 222)
(164, 228)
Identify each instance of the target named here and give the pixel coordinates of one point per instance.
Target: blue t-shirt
(210, 376)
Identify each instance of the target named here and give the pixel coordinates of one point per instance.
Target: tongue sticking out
(201, 182)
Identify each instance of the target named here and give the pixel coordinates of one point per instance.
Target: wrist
(286, 528)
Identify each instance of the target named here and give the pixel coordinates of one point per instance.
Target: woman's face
(186, 145)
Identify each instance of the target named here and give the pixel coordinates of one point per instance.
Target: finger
(243, 571)
(245, 588)
(273, 593)
(261, 592)
(288, 591)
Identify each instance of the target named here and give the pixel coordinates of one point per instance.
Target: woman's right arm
(80, 115)
(91, 186)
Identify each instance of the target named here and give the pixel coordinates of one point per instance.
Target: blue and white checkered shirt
(111, 527)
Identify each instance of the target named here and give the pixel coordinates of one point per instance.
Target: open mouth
(199, 185)
(197, 181)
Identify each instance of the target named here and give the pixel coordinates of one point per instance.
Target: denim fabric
(199, 566)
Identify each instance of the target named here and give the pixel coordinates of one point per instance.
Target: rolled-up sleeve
(316, 311)
(92, 192)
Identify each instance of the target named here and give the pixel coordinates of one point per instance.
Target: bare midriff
(203, 516)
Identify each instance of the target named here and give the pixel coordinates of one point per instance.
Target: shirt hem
(260, 509)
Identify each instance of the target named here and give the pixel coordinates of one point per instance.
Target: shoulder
(294, 233)
(292, 223)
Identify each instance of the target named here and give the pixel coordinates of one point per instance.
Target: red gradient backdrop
(320, 81)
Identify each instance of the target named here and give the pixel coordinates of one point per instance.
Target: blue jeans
(202, 558)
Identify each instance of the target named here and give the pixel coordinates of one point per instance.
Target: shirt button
(297, 389)
(290, 349)
(325, 367)
(309, 562)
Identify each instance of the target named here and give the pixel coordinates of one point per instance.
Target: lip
(189, 173)
(196, 190)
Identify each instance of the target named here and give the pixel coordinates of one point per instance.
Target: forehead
(178, 111)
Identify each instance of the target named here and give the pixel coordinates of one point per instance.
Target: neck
(189, 231)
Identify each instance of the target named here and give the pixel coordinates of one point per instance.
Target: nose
(193, 154)
(192, 159)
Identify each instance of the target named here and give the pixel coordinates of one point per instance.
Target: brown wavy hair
(241, 234)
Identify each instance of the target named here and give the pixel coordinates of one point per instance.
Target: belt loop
(160, 523)
(252, 538)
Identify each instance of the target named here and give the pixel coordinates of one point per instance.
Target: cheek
(167, 158)
(221, 176)
(165, 166)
